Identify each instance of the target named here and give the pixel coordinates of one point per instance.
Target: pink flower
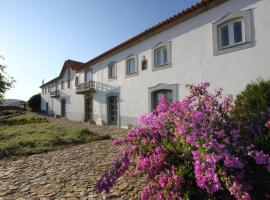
(267, 124)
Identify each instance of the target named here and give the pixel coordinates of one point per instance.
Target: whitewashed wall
(192, 62)
(74, 102)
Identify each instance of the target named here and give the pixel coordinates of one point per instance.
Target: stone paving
(69, 173)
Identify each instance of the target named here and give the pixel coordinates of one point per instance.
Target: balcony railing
(54, 93)
(89, 86)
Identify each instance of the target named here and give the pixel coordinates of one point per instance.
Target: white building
(224, 42)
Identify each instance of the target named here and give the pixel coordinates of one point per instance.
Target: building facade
(224, 42)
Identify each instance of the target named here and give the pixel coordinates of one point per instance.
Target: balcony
(54, 94)
(86, 87)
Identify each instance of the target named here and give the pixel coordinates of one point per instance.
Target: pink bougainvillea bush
(189, 149)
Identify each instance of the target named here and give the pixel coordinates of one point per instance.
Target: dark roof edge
(182, 16)
(67, 62)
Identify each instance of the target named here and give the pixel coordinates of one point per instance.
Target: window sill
(130, 75)
(232, 48)
(165, 66)
(112, 78)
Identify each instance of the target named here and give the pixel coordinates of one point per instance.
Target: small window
(161, 56)
(231, 33)
(224, 36)
(68, 79)
(238, 33)
(62, 85)
(157, 94)
(76, 81)
(112, 70)
(88, 75)
(131, 67)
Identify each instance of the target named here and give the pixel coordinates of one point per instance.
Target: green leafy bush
(254, 99)
(34, 103)
(251, 110)
(24, 119)
(9, 112)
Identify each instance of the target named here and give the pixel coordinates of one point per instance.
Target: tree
(6, 82)
(34, 102)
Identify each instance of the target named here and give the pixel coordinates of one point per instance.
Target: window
(62, 85)
(87, 75)
(68, 81)
(76, 81)
(131, 66)
(112, 71)
(232, 32)
(161, 56)
(157, 94)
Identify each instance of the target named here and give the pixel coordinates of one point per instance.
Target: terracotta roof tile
(75, 65)
(184, 15)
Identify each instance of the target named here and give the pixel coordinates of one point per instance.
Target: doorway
(63, 108)
(88, 109)
(47, 108)
(112, 110)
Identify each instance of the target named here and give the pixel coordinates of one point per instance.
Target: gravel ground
(69, 173)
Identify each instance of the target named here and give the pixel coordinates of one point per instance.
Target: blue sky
(37, 36)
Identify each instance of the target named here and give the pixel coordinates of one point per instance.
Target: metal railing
(86, 86)
(54, 93)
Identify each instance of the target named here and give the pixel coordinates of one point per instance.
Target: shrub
(254, 99)
(251, 111)
(9, 112)
(24, 119)
(34, 103)
(85, 133)
(189, 149)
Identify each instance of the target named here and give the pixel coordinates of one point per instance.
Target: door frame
(63, 115)
(90, 97)
(118, 124)
(47, 108)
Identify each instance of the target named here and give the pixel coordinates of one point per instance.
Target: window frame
(247, 33)
(163, 65)
(161, 86)
(135, 65)
(76, 81)
(68, 78)
(110, 65)
(231, 32)
(154, 95)
(62, 85)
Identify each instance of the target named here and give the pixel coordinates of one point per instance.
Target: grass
(30, 134)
